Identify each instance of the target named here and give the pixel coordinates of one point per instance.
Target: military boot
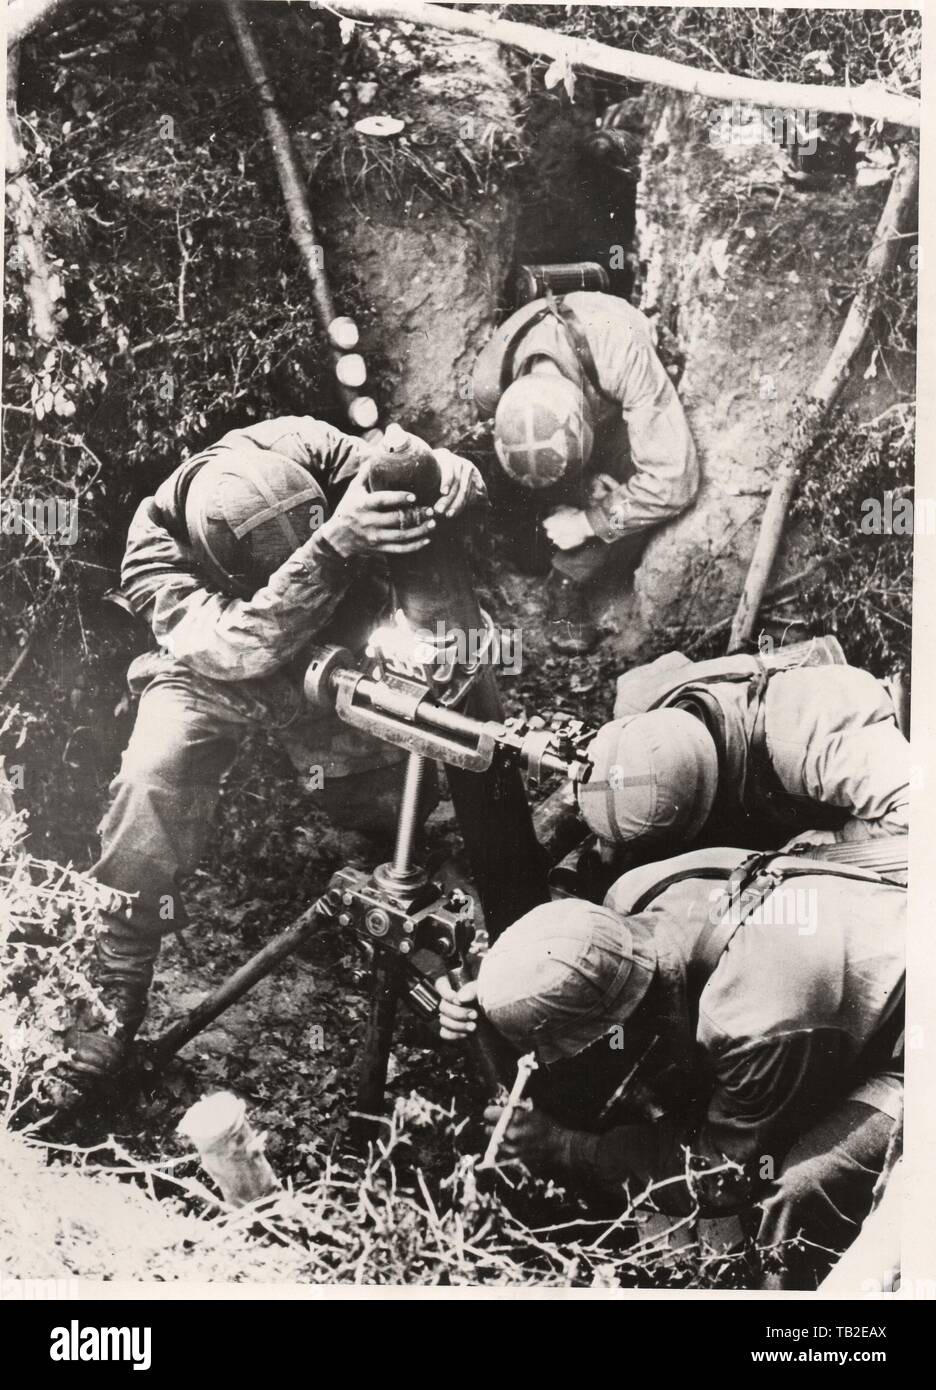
(100, 1037)
(571, 629)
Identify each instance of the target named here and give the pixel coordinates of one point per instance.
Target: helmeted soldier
(247, 554)
(732, 751)
(587, 418)
(728, 1026)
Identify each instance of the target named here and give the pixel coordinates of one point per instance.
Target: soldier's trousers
(585, 562)
(187, 733)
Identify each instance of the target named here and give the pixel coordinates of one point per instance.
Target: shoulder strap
(747, 886)
(754, 879)
(568, 320)
(493, 371)
(885, 854)
(766, 796)
(636, 888)
(577, 337)
(720, 671)
(510, 351)
(659, 682)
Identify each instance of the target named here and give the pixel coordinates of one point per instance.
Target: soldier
(731, 751)
(586, 415)
(740, 1042)
(248, 553)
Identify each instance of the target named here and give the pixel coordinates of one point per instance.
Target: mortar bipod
(400, 914)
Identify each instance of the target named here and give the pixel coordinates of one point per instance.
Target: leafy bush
(182, 307)
(863, 593)
(49, 917)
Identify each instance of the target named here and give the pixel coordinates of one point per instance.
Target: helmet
(543, 430)
(654, 776)
(564, 975)
(246, 517)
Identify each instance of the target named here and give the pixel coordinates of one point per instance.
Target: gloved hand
(532, 1138)
(568, 527)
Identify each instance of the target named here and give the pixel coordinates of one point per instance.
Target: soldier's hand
(532, 1138)
(385, 523)
(461, 483)
(568, 527)
(457, 1019)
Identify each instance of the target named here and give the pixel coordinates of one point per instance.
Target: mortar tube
(434, 586)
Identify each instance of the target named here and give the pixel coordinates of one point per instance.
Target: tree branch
(870, 100)
(292, 183)
(28, 220)
(824, 392)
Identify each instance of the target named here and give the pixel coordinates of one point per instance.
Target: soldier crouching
(248, 553)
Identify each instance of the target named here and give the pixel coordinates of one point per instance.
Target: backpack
(661, 682)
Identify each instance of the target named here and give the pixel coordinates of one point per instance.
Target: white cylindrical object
(351, 369)
(344, 333)
(230, 1150)
(363, 412)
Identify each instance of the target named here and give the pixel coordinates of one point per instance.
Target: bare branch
(871, 100)
(824, 391)
(28, 220)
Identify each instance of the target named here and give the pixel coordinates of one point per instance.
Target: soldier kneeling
(248, 554)
(740, 1042)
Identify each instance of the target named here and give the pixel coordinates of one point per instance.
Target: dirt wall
(426, 269)
(748, 272)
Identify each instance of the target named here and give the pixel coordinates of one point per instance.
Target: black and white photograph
(458, 514)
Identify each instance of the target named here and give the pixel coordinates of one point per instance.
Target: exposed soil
(750, 273)
(426, 295)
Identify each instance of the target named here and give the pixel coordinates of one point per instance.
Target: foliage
(864, 590)
(368, 1218)
(382, 1218)
(183, 311)
(183, 308)
(794, 45)
(49, 917)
